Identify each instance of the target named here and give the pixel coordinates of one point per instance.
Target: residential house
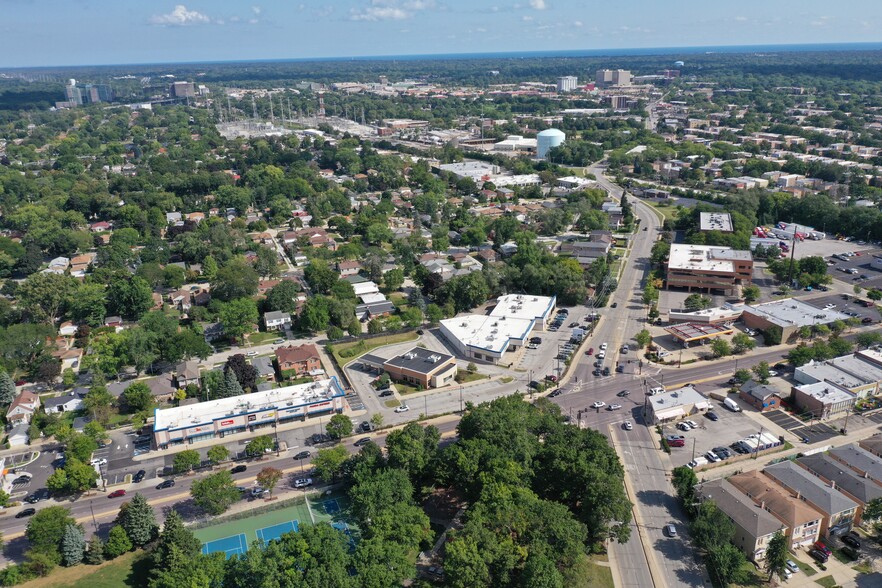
(802, 521)
(348, 268)
(276, 320)
(66, 403)
(187, 372)
(22, 408)
(174, 218)
(760, 396)
(18, 435)
(163, 386)
(264, 367)
(754, 526)
(837, 509)
(860, 489)
(100, 227)
(67, 329)
(113, 321)
(264, 286)
(298, 361)
(70, 358)
(212, 331)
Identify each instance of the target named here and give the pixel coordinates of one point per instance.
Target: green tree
(695, 302)
(874, 294)
(393, 279)
(259, 446)
(328, 464)
(761, 371)
(750, 293)
(235, 280)
(129, 298)
(726, 563)
(684, 481)
(7, 388)
(283, 297)
(414, 449)
(873, 510)
(643, 338)
(720, 348)
(95, 553)
(434, 314)
(339, 426)
(650, 294)
(46, 529)
(38, 563)
(89, 306)
(776, 555)
(711, 527)
(315, 315)
(217, 453)
(73, 545)
(215, 493)
(229, 386)
(46, 296)
(175, 537)
(138, 520)
(81, 447)
(865, 340)
(137, 397)
(186, 460)
(800, 355)
(840, 346)
(239, 317)
(118, 543)
(320, 276)
(377, 419)
(743, 342)
(95, 431)
(268, 478)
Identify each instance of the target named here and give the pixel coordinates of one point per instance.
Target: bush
(335, 333)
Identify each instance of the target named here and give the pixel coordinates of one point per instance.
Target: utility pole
(460, 399)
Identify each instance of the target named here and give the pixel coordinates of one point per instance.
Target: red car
(590, 351)
(116, 494)
(823, 548)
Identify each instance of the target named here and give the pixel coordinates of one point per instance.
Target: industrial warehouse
(237, 414)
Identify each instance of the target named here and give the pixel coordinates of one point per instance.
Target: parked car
(819, 555)
(362, 442)
(386, 392)
(590, 351)
(38, 496)
(684, 427)
(603, 346)
(627, 425)
(606, 371)
(852, 541)
(27, 512)
(692, 424)
(116, 494)
(623, 393)
(303, 455)
(866, 320)
(614, 407)
(139, 477)
(620, 369)
(670, 530)
(791, 565)
(712, 457)
(302, 482)
(166, 484)
(551, 378)
(822, 547)
(239, 469)
(712, 415)
(258, 491)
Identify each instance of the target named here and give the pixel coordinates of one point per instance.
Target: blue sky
(80, 32)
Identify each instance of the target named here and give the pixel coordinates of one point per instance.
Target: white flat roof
(373, 298)
(704, 257)
(524, 306)
(716, 221)
(490, 333)
(790, 312)
(363, 288)
(685, 396)
(826, 392)
(205, 412)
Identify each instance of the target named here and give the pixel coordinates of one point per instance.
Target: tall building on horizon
(605, 78)
(567, 83)
(78, 95)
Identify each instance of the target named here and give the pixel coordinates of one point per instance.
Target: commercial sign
(252, 417)
(226, 423)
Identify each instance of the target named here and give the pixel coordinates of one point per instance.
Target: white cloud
(390, 10)
(256, 9)
(538, 4)
(180, 17)
(526, 18)
(577, 23)
(741, 18)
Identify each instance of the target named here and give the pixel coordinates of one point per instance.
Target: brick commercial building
(788, 314)
(709, 268)
(419, 367)
(248, 412)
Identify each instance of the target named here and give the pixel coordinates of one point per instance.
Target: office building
(710, 268)
(418, 367)
(80, 94)
(824, 400)
(182, 90)
(567, 83)
(238, 414)
(716, 221)
(788, 314)
(607, 78)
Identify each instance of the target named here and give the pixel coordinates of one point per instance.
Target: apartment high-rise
(567, 83)
(606, 78)
(182, 90)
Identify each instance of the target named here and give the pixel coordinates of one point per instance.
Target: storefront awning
(671, 413)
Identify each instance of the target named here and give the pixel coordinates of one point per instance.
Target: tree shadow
(14, 549)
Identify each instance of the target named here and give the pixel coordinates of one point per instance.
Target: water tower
(548, 139)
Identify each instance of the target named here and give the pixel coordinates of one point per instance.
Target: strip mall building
(248, 412)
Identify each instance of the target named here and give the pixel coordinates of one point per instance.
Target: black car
(365, 426)
(596, 372)
(534, 384)
(21, 480)
(536, 340)
(614, 305)
(139, 477)
(239, 469)
(620, 369)
(38, 496)
(712, 416)
(302, 455)
(623, 393)
(852, 541)
(386, 392)
(28, 512)
(606, 371)
(556, 393)
(363, 441)
(167, 484)
(819, 555)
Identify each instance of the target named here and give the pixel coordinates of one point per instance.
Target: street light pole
(460, 399)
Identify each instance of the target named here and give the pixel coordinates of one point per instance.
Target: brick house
(298, 361)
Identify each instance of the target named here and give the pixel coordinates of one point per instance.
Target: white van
(698, 461)
(658, 390)
(731, 405)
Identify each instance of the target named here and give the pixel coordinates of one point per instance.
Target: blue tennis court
(332, 507)
(267, 534)
(233, 545)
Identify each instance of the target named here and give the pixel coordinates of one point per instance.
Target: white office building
(567, 83)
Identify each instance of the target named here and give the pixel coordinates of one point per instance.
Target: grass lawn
(399, 300)
(752, 577)
(666, 210)
(863, 568)
(392, 403)
(406, 388)
(263, 338)
(587, 573)
(130, 570)
(466, 377)
(506, 379)
(827, 581)
(804, 567)
(346, 352)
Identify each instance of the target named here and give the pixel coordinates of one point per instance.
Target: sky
(93, 32)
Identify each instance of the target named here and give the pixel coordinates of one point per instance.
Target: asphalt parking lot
(814, 432)
(731, 427)
(862, 263)
(842, 305)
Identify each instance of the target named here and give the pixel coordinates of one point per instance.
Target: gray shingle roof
(810, 488)
(860, 460)
(845, 478)
(739, 508)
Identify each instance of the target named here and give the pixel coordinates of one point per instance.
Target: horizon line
(537, 54)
